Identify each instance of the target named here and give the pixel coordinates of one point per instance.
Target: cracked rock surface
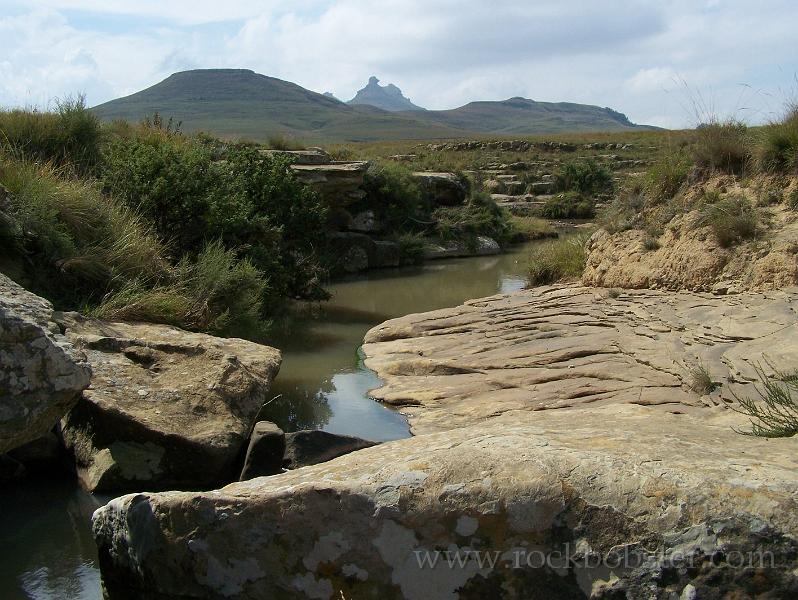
(568, 346)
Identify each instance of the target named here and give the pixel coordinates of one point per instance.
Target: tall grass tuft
(732, 220)
(557, 260)
(776, 148)
(722, 146)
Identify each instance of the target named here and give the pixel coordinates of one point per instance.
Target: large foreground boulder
(619, 501)
(41, 373)
(166, 408)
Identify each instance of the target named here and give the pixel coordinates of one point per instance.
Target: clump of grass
(701, 381)
(613, 293)
(722, 146)
(665, 178)
(568, 205)
(217, 292)
(776, 148)
(584, 176)
(70, 135)
(732, 220)
(792, 198)
(284, 142)
(775, 414)
(651, 244)
(411, 248)
(557, 260)
(480, 215)
(527, 228)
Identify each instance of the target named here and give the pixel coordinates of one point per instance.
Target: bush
(69, 136)
(284, 142)
(527, 228)
(411, 248)
(585, 177)
(777, 145)
(395, 197)
(250, 201)
(732, 220)
(569, 205)
(480, 215)
(722, 146)
(776, 412)
(557, 260)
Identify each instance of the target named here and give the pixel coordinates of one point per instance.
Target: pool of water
(47, 549)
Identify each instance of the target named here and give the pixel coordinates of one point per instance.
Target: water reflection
(48, 550)
(323, 384)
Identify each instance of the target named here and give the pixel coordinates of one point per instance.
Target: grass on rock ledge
(557, 260)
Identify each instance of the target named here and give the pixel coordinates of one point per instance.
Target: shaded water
(47, 548)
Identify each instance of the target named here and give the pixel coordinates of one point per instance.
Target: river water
(46, 546)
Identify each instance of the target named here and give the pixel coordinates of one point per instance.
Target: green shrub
(557, 260)
(282, 141)
(411, 248)
(568, 205)
(585, 177)
(68, 136)
(395, 197)
(777, 145)
(722, 146)
(250, 201)
(480, 215)
(776, 412)
(527, 228)
(732, 220)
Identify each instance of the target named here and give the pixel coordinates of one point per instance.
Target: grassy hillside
(238, 103)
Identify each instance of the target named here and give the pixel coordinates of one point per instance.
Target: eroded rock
(442, 189)
(310, 447)
(166, 408)
(582, 488)
(41, 373)
(265, 451)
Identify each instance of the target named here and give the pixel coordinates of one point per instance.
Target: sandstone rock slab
(166, 407)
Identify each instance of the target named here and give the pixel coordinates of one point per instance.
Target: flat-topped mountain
(387, 97)
(239, 103)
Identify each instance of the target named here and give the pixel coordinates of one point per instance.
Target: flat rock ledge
(561, 347)
(635, 487)
(606, 502)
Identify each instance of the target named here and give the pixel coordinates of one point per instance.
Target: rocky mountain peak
(388, 97)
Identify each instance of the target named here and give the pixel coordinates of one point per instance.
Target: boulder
(41, 373)
(480, 246)
(339, 184)
(166, 408)
(607, 502)
(355, 252)
(43, 455)
(310, 447)
(441, 189)
(265, 452)
(365, 222)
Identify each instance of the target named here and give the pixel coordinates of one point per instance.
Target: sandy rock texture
(41, 373)
(166, 407)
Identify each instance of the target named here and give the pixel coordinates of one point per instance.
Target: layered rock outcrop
(41, 373)
(166, 407)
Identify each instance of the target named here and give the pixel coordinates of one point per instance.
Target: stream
(48, 550)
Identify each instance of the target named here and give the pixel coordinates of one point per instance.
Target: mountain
(388, 97)
(239, 103)
(520, 116)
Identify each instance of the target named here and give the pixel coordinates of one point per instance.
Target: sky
(672, 63)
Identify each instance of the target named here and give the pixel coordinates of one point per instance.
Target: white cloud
(629, 54)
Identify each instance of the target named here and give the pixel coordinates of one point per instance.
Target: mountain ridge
(239, 103)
